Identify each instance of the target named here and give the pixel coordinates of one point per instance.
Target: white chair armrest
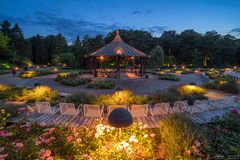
(55, 109)
(79, 109)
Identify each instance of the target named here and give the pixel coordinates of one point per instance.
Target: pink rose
(19, 145)
(45, 154)
(76, 134)
(234, 111)
(38, 143)
(78, 140)
(69, 138)
(50, 158)
(28, 129)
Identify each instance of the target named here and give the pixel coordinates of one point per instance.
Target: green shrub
(101, 84)
(191, 93)
(36, 73)
(223, 136)
(170, 77)
(224, 83)
(74, 81)
(81, 98)
(163, 96)
(6, 90)
(64, 75)
(40, 93)
(124, 97)
(211, 85)
(180, 135)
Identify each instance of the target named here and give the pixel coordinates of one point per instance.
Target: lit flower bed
(36, 73)
(102, 142)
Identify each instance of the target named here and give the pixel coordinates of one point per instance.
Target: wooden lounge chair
(112, 107)
(44, 107)
(160, 109)
(139, 110)
(201, 106)
(180, 107)
(69, 109)
(92, 110)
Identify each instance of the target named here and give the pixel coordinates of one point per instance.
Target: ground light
(120, 118)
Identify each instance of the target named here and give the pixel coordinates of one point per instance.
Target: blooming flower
(50, 158)
(152, 135)
(3, 156)
(145, 136)
(76, 134)
(188, 152)
(37, 143)
(69, 138)
(45, 153)
(234, 111)
(19, 145)
(1, 149)
(78, 140)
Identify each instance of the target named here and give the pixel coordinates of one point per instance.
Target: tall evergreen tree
(39, 50)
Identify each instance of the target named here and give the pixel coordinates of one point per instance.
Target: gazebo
(117, 50)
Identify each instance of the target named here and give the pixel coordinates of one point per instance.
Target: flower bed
(71, 79)
(36, 73)
(101, 84)
(170, 77)
(224, 83)
(101, 142)
(40, 93)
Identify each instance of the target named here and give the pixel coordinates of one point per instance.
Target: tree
(170, 42)
(157, 57)
(3, 42)
(6, 28)
(39, 50)
(68, 58)
(17, 40)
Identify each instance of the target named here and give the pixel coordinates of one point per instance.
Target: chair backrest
(139, 110)
(180, 106)
(43, 107)
(161, 108)
(90, 110)
(67, 107)
(198, 102)
(110, 108)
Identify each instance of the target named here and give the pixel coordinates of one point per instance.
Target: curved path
(138, 86)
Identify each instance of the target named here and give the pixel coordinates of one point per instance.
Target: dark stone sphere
(120, 118)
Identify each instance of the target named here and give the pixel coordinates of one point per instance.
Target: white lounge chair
(160, 109)
(139, 110)
(45, 107)
(218, 104)
(201, 106)
(231, 101)
(110, 108)
(92, 110)
(180, 107)
(69, 109)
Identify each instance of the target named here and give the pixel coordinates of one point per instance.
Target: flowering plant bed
(36, 73)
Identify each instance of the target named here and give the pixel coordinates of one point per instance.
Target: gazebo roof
(118, 47)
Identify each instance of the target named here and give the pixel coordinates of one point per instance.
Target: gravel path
(138, 86)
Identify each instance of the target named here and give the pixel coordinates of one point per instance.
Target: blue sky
(81, 17)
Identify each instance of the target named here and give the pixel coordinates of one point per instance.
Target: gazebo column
(118, 67)
(141, 69)
(91, 61)
(95, 67)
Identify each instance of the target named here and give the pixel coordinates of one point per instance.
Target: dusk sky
(92, 17)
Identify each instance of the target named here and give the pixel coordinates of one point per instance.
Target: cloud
(145, 12)
(235, 32)
(49, 22)
(156, 30)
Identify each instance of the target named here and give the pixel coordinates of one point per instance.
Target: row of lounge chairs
(88, 110)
